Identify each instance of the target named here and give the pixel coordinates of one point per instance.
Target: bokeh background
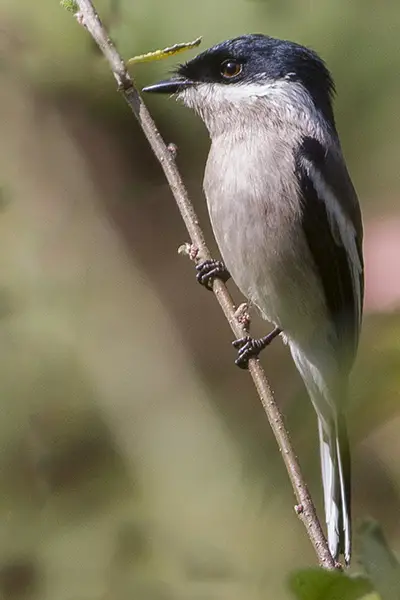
(135, 459)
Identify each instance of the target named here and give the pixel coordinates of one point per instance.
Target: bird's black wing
(331, 221)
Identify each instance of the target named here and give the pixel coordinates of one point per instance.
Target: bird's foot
(208, 270)
(249, 347)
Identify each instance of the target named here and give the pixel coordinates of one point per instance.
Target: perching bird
(287, 222)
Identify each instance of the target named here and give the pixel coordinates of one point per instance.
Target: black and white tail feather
(335, 458)
(335, 467)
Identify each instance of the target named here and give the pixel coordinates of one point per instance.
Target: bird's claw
(208, 270)
(249, 347)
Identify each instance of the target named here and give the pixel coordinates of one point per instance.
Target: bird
(288, 224)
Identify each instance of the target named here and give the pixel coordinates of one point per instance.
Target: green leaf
(318, 584)
(379, 561)
(70, 5)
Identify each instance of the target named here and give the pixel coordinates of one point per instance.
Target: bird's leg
(208, 270)
(250, 348)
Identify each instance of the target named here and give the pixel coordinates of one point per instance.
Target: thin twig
(305, 509)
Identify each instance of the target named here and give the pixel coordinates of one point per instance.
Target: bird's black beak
(169, 86)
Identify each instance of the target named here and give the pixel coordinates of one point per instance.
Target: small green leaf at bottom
(318, 584)
(379, 561)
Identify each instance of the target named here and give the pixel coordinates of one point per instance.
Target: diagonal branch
(89, 18)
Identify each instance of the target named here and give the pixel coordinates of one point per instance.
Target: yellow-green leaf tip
(160, 54)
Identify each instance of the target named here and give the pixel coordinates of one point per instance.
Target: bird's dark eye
(230, 68)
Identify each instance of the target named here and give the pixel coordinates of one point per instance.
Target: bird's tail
(334, 450)
(335, 465)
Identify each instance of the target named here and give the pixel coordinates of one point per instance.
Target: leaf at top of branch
(70, 5)
(318, 584)
(165, 53)
(379, 561)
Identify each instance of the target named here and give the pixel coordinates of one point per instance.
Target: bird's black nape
(265, 58)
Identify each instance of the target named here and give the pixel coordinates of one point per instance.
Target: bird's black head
(257, 59)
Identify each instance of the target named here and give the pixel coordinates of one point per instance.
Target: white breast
(255, 213)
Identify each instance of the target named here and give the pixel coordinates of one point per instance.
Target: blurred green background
(135, 459)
